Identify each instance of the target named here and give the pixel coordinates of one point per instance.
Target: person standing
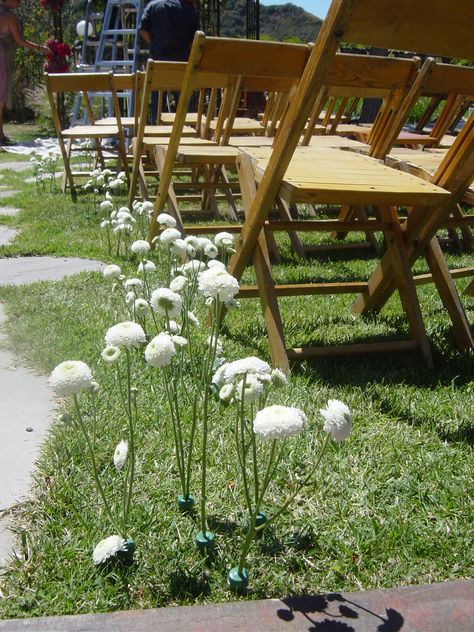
(168, 27)
(10, 38)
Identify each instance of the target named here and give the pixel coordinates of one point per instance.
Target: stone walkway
(26, 402)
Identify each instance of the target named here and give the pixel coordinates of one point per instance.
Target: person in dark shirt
(168, 27)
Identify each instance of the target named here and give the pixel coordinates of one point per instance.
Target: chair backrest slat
(437, 27)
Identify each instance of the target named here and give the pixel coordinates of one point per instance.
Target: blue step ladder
(117, 49)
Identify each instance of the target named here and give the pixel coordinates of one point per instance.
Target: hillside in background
(284, 22)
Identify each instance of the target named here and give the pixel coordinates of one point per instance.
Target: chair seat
(165, 130)
(338, 142)
(127, 121)
(207, 154)
(152, 141)
(90, 131)
(405, 137)
(243, 125)
(168, 118)
(331, 176)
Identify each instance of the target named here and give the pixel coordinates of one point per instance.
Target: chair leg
(467, 237)
(171, 201)
(449, 295)
(396, 250)
(220, 173)
(136, 163)
(265, 282)
(285, 213)
(67, 176)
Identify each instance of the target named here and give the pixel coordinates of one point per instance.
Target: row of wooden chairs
(298, 167)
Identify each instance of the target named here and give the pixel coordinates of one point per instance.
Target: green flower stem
(241, 457)
(206, 375)
(175, 434)
(94, 419)
(301, 485)
(204, 458)
(191, 447)
(94, 467)
(131, 437)
(256, 482)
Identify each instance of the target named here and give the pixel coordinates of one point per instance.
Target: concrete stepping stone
(26, 401)
(15, 165)
(26, 405)
(23, 270)
(7, 194)
(7, 235)
(9, 211)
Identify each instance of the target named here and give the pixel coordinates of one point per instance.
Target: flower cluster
(59, 54)
(45, 165)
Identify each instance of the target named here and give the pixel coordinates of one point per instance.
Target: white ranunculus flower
(278, 422)
(140, 246)
(147, 266)
(127, 334)
(178, 247)
(202, 243)
(173, 327)
(193, 320)
(130, 298)
(115, 184)
(337, 420)
(133, 283)
(211, 251)
(251, 365)
(217, 283)
(278, 378)
(106, 205)
(223, 240)
(169, 235)
(110, 354)
(148, 207)
(192, 268)
(107, 548)
(166, 302)
(178, 283)
(112, 271)
(70, 377)
(227, 392)
(179, 341)
(219, 376)
(192, 240)
(122, 228)
(216, 264)
(141, 307)
(120, 455)
(160, 350)
(166, 220)
(252, 390)
(104, 223)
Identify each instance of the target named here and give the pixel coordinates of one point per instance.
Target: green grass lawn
(391, 506)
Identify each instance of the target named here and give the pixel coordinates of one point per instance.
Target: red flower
(53, 5)
(57, 59)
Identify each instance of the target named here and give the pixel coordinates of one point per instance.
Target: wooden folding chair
(233, 66)
(159, 77)
(86, 84)
(350, 179)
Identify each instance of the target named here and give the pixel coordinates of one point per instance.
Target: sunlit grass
(393, 506)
